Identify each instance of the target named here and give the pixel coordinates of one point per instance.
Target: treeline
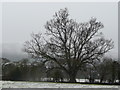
(106, 71)
(22, 70)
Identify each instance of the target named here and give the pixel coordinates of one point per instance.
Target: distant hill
(13, 51)
(4, 60)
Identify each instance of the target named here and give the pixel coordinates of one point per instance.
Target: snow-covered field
(17, 84)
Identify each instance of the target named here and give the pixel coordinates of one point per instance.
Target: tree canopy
(69, 44)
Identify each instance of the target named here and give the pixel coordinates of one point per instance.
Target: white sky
(19, 20)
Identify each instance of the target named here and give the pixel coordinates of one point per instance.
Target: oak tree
(69, 45)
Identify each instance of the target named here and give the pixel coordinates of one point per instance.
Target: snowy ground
(12, 84)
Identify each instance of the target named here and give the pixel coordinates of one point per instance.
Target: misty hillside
(13, 51)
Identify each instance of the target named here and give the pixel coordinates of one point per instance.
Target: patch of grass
(77, 83)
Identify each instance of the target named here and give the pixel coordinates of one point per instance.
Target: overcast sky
(21, 19)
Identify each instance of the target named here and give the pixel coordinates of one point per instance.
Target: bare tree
(70, 45)
(104, 69)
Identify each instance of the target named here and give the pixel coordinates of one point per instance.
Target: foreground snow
(13, 84)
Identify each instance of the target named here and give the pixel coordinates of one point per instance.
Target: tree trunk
(72, 78)
(101, 80)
